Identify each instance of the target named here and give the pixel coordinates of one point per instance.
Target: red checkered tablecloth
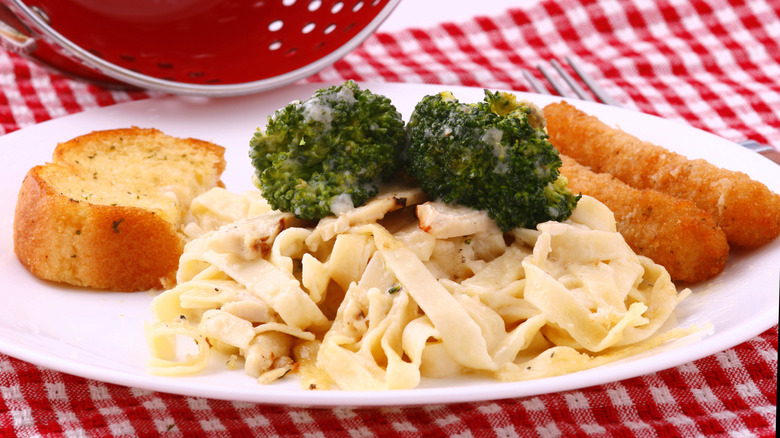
(714, 64)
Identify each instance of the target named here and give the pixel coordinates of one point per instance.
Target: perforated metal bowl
(196, 47)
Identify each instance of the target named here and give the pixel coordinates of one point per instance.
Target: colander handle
(13, 40)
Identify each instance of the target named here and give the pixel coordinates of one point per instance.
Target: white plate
(99, 335)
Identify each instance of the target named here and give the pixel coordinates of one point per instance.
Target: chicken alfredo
(403, 288)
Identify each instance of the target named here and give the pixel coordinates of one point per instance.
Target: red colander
(197, 47)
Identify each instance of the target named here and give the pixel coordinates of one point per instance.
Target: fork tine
(570, 81)
(554, 82)
(591, 84)
(535, 84)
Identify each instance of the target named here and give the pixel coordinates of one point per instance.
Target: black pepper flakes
(115, 225)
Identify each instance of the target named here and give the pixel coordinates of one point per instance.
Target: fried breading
(672, 232)
(746, 210)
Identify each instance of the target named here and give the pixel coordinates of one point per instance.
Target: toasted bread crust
(62, 238)
(76, 146)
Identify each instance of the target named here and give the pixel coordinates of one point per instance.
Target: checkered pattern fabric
(714, 64)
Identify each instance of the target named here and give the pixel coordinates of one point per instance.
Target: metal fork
(570, 87)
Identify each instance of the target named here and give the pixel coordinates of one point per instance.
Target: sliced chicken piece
(389, 199)
(444, 221)
(251, 238)
(264, 351)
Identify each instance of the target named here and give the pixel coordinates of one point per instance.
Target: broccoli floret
(327, 153)
(492, 155)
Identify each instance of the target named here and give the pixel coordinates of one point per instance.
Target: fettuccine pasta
(401, 289)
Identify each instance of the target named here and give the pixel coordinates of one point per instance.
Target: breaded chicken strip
(746, 210)
(672, 232)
